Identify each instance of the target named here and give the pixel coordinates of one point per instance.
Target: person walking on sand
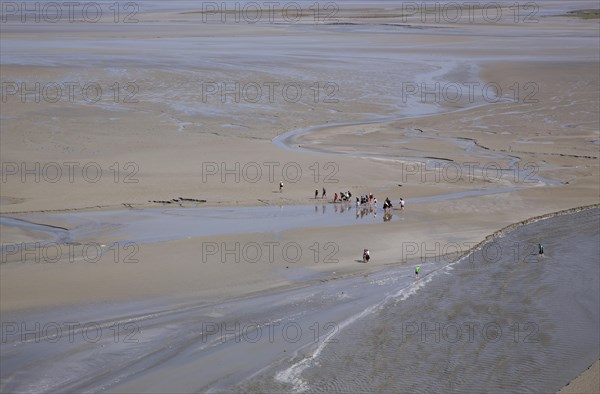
(316, 193)
(280, 186)
(324, 193)
(366, 256)
(401, 203)
(540, 249)
(417, 269)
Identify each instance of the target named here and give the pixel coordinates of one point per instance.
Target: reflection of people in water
(387, 217)
(362, 211)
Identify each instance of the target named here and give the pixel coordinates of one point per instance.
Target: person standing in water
(417, 269)
(541, 249)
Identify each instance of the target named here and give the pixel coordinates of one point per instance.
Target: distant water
(501, 320)
(162, 224)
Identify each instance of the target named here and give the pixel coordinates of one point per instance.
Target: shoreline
(587, 382)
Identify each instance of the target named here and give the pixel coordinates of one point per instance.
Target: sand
(174, 143)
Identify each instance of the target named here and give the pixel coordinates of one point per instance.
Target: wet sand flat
(349, 334)
(166, 173)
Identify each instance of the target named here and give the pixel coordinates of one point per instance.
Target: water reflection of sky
(153, 225)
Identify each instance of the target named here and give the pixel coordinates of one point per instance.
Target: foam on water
(292, 375)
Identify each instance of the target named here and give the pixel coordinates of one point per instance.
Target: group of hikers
(361, 201)
(366, 199)
(343, 196)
